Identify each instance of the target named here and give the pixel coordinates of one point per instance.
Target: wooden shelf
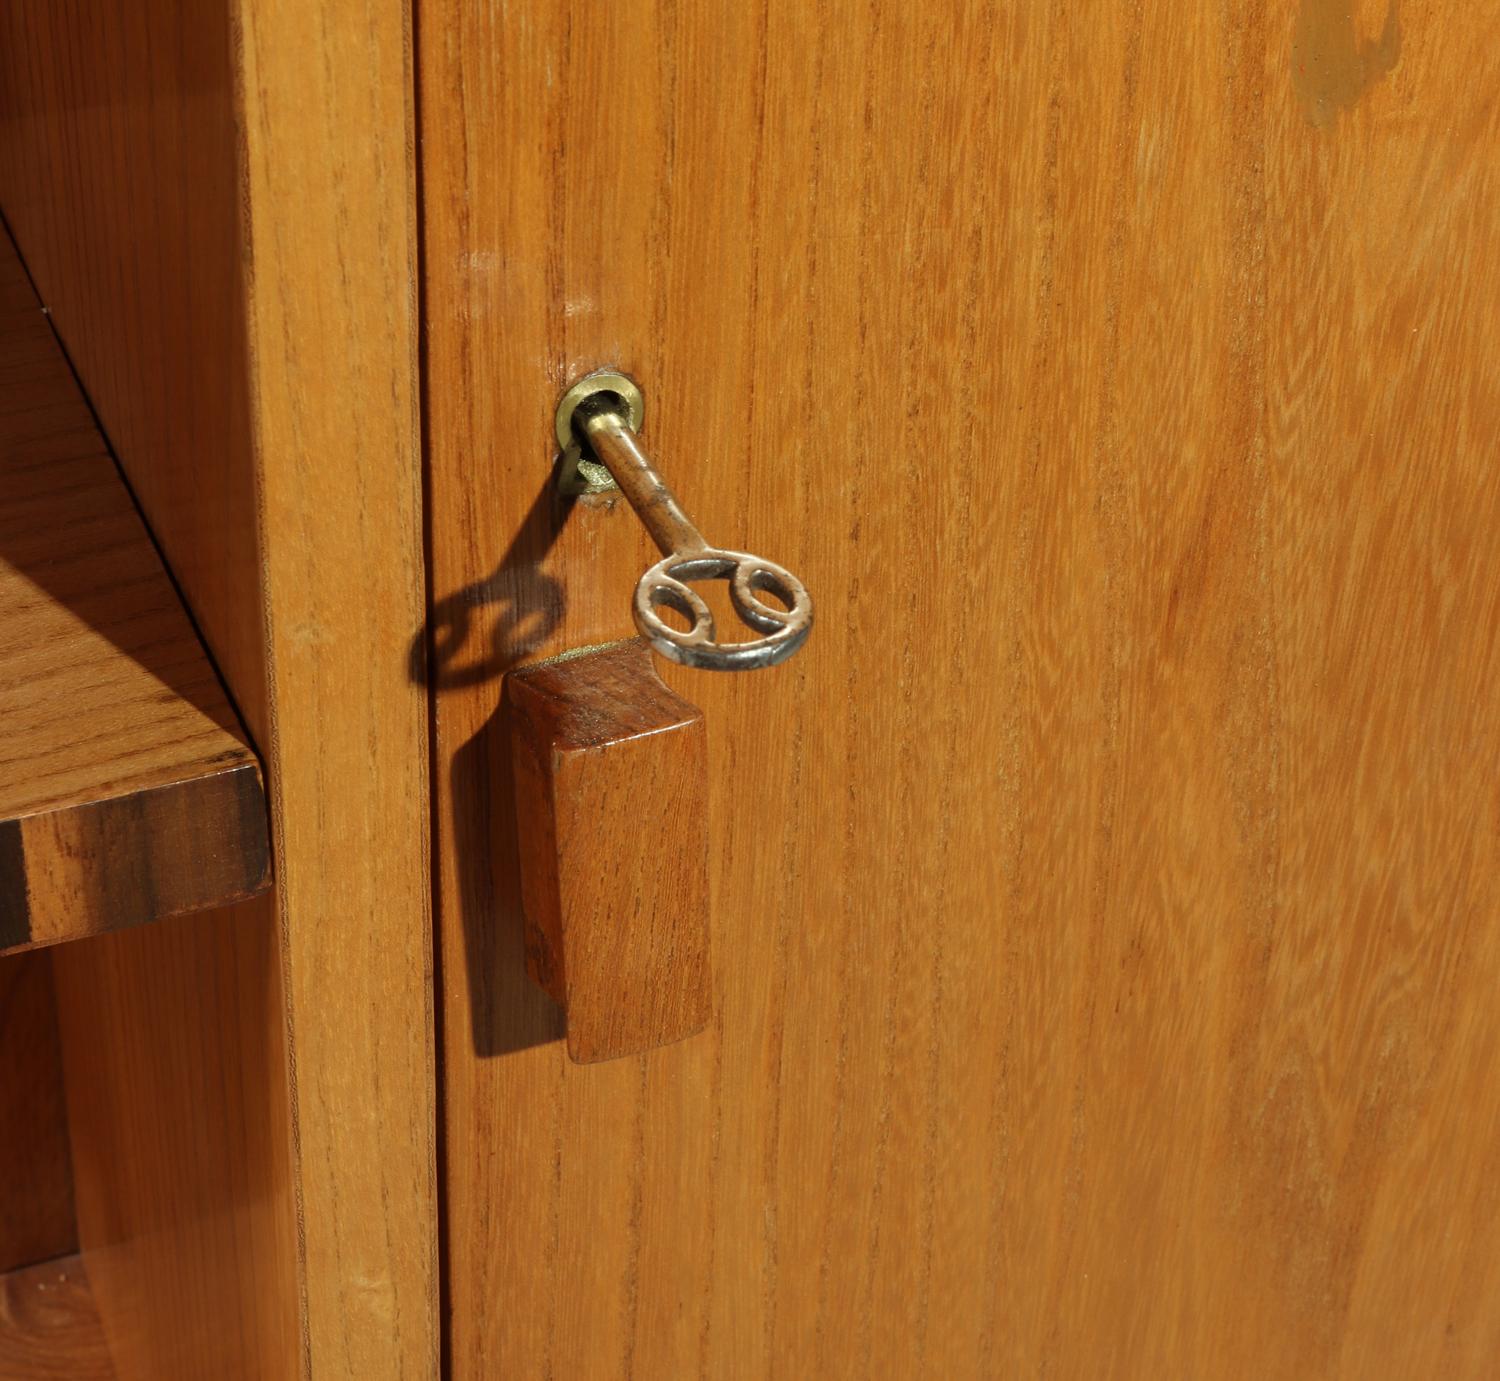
(127, 789)
(49, 1327)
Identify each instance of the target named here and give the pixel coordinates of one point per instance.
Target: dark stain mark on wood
(1332, 67)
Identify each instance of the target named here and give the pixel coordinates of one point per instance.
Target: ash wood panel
(1107, 902)
(49, 1327)
(217, 202)
(611, 799)
(36, 1204)
(127, 791)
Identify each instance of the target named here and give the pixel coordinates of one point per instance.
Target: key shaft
(613, 442)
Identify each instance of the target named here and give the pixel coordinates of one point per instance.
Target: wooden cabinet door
(1106, 901)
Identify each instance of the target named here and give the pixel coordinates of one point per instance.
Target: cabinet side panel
(327, 97)
(216, 201)
(118, 177)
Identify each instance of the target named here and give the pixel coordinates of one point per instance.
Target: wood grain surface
(49, 1327)
(36, 1171)
(127, 790)
(118, 177)
(331, 238)
(1107, 900)
(120, 180)
(611, 796)
(182, 1157)
(217, 203)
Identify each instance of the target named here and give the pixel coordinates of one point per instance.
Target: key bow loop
(785, 624)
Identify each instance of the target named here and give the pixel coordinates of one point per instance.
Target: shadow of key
(516, 607)
(474, 636)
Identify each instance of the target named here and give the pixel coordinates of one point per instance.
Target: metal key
(601, 413)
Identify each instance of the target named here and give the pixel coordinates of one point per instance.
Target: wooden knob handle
(611, 779)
